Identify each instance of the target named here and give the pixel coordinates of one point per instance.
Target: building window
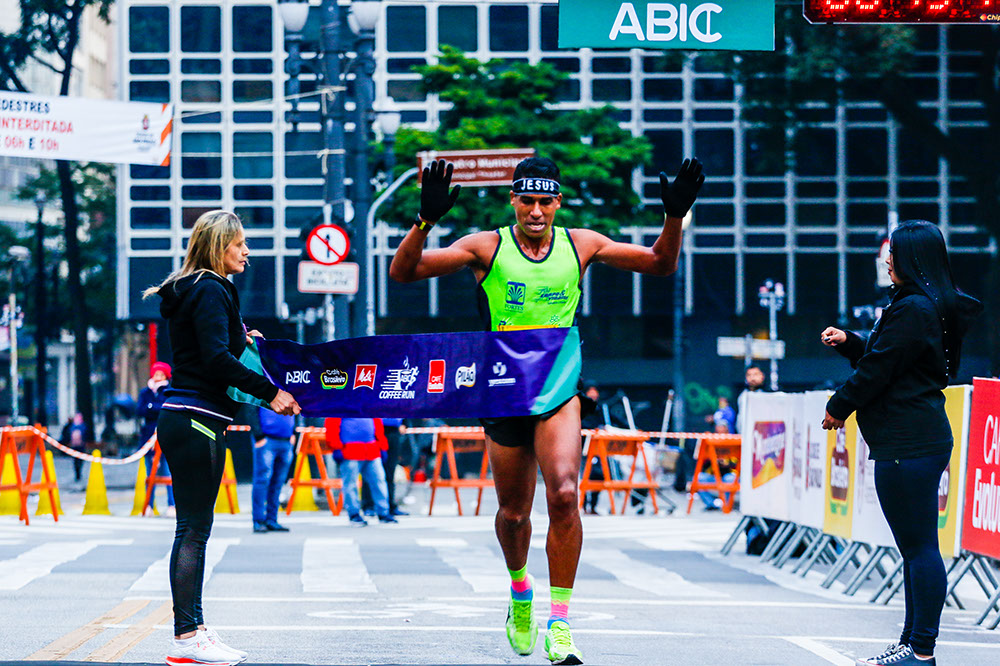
(149, 91)
(549, 31)
(195, 166)
(201, 66)
(252, 156)
(251, 91)
(141, 67)
(201, 29)
(252, 29)
(509, 28)
(149, 29)
(458, 27)
(406, 29)
(201, 91)
(149, 218)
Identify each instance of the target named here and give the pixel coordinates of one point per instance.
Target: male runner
(529, 276)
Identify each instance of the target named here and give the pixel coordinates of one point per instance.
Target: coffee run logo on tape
(333, 379)
(398, 382)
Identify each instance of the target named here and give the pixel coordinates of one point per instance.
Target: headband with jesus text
(535, 186)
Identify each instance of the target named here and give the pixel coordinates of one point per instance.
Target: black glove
(680, 195)
(435, 200)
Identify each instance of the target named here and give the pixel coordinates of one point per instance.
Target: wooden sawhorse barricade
(448, 442)
(710, 451)
(26, 440)
(601, 444)
(312, 442)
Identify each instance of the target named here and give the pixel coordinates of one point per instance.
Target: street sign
(339, 278)
(328, 244)
(478, 168)
(750, 347)
(734, 25)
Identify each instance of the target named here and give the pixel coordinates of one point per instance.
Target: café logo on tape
(333, 379)
(435, 377)
(398, 382)
(465, 376)
(364, 376)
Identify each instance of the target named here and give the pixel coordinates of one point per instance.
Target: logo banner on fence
(464, 375)
(957, 404)
(766, 459)
(78, 128)
(868, 523)
(841, 453)
(809, 461)
(981, 517)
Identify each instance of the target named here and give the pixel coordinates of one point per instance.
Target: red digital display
(902, 11)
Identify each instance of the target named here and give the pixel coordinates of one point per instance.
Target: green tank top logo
(526, 293)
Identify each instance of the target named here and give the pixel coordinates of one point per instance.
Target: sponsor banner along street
(981, 517)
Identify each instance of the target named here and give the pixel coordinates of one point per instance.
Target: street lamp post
(772, 297)
(362, 19)
(41, 317)
(12, 318)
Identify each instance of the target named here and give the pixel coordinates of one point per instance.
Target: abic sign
(737, 25)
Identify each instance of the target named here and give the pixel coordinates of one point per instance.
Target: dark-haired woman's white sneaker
(903, 657)
(890, 650)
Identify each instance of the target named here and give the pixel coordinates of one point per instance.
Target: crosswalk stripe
(634, 573)
(334, 566)
(157, 576)
(41, 560)
(478, 566)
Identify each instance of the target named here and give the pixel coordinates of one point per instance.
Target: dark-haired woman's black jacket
(899, 372)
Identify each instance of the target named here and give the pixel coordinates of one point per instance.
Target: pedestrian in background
(900, 369)
(148, 409)
(273, 436)
(207, 336)
(592, 421)
(76, 436)
(359, 446)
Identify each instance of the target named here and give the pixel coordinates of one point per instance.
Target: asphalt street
(432, 590)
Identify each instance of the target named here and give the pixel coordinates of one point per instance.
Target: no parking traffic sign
(328, 244)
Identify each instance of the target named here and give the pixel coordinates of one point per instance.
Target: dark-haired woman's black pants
(195, 448)
(908, 492)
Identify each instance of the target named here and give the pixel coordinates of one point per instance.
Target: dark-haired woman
(896, 390)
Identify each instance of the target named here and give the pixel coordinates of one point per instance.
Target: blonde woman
(207, 336)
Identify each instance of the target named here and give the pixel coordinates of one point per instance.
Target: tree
(497, 104)
(48, 33)
(825, 64)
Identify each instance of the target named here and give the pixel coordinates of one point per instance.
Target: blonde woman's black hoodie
(207, 336)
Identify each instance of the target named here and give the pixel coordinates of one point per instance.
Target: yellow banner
(841, 450)
(956, 405)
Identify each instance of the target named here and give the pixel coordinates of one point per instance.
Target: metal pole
(41, 321)
(370, 249)
(678, 344)
(14, 388)
(364, 97)
(333, 129)
(773, 311)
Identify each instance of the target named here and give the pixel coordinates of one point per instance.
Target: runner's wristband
(423, 224)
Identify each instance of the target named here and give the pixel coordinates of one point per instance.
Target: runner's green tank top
(519, 292)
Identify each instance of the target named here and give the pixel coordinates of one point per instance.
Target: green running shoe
(560, 646)
(522, 627)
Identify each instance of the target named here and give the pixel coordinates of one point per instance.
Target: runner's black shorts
(514, 431)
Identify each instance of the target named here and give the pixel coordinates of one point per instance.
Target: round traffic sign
(328, 244)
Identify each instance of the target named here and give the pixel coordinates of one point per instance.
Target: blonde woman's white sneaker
(213, 636)
(199, 651)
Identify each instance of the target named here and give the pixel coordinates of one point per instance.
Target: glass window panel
(769, 215)
(256, 287)
(713, 90)
(143, 272)
(405, 29)
(190, 215)
(197, 192)
(611, 65)
(549, 30)
(251, 91)
(302, 166)
(149, 91)
(201, 91)
(259, 165)
(410, 116)
(314, 192)
(867, 154)
(405, 91)
(193, 143)
(713, 214)
(162, 244)
(667, 149)
(716, 147)
(252, 117)
(611, 90)
(568, 90)
(915, 158)
(869, 214)
(765, 153)
(458, 27)
(816, 152)
(662, 90)
(256, 217)
(149, 67)
(252, 66)
(149, 218)
(664, 64)
(201, 167)
(713, 115)
(148, 29)
(142, 172)
(253, 192)
(570, 65)
(714, 285)
(201, 66)
(252, 29)
(302, 217)
(201, 29)
(150, 192)
(663, 115)
(508, 28)
(201, 142)
(201, 118)
(403, 65)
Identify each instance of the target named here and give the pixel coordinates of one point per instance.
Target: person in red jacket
(359, 445)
